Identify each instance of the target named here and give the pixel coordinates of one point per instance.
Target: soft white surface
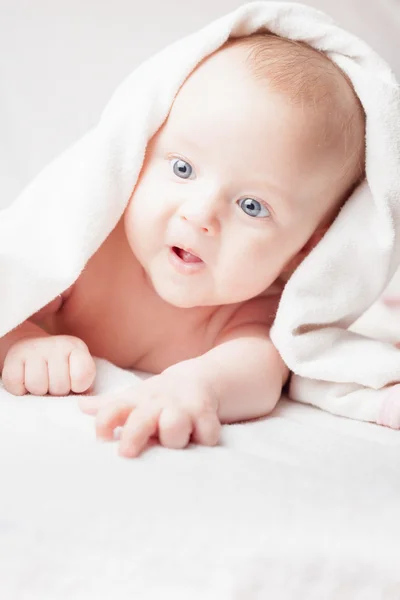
(299, 505)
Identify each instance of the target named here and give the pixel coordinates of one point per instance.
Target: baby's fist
(55, 365)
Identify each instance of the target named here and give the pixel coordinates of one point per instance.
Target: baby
(263, 144)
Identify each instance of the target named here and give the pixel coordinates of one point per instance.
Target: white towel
(64, 215)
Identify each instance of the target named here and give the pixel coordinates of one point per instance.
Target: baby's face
(233, 186)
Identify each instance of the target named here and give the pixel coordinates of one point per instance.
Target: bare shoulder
(254, 316)
(253, 320)
(53, 306)
(260, 310)
(66, 294)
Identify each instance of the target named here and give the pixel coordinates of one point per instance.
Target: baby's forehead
(303, 78)
(301, 74)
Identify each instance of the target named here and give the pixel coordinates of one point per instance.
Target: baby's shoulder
(260, 310)
(52, 307)
(66, 294)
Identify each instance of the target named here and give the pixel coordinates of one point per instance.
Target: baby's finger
(13, 376)
(391, 301)
(207, 429)
(110, 416)
(140, 426)
(59, 379)
(82, 370)
(174, 428)
(36, 377)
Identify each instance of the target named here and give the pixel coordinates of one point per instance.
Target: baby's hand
(55, 365)
(176, 406)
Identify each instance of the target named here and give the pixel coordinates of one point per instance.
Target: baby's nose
(201, 213)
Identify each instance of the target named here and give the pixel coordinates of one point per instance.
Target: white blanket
(56, 224)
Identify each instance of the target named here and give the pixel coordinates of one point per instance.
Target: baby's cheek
(245, 279)
(139, 217)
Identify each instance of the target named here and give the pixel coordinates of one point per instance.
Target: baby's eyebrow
(186, 141)
(278, 192)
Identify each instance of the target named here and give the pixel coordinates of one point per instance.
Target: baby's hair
(309, 78)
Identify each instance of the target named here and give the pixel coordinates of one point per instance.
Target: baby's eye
(181, 168)
(253, 208)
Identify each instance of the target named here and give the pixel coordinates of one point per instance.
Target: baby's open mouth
(185, 255)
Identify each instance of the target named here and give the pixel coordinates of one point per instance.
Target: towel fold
(49, 233)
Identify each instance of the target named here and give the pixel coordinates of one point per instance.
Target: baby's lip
(187, 249)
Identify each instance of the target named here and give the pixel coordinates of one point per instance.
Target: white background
(61, 60)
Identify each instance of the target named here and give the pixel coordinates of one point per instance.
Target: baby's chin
(186, 296)
(190, 297)
(181, 299)
(197, 292)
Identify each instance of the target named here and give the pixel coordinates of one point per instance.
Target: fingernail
(104, 437)
(126, 452)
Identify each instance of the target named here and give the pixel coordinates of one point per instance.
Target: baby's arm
(240, 378)
(246, 372)
(31, 360)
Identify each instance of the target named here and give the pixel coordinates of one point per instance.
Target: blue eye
(253, 208)
(181, 168)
